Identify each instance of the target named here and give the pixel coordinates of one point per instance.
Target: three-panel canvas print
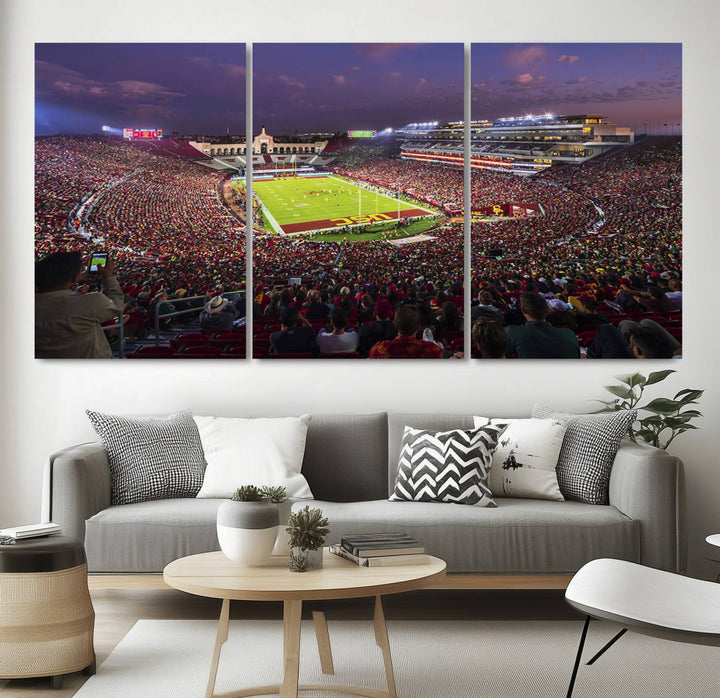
(362, 218)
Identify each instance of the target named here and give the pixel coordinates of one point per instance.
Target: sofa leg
(56, 682)
(578, 657)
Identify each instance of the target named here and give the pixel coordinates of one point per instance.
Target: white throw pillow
(253, 452)
(525, 459)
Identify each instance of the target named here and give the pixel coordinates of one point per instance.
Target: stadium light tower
(106, 128)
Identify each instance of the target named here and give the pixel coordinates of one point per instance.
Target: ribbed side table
(46, 616)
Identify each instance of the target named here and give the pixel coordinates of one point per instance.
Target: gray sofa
(350, 463)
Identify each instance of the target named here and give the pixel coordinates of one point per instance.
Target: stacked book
(31, 531)
(380, 549)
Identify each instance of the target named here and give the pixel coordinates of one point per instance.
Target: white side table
(714, 539)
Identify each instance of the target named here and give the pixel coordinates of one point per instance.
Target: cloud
(339, 80)
(379, 52)
(152, 111)
(523, 56)
(524, 79)
(232, 70)
(355, 68)
(577, 81)
(139, 89)
(291, 82)
(564, 58)
(395, 74)
(54, 80)
(203, 61)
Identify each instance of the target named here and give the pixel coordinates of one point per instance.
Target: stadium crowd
(158, 215)
(609, 239)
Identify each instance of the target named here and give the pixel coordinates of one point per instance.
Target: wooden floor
(117, 610)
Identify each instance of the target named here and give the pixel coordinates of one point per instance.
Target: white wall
(43, 401)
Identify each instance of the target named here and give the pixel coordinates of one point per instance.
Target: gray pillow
(446, 466)
(151, 458)
(588, 451)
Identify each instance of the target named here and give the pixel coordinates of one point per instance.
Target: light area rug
(437, 659)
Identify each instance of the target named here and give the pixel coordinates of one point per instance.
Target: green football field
(303, 204)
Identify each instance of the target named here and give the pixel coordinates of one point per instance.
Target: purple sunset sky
(200, 88)
(632, 84)
(336, 87)
(191, 88)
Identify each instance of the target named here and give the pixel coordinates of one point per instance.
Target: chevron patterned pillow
(446, 466)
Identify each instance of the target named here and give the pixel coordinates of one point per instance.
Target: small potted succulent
(247, 525)
(307, 529)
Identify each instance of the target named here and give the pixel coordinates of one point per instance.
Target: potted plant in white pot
(307, 529)
(278, 496)
(247, 526)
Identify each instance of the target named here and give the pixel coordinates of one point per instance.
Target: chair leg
(607, 646)
(578, 657)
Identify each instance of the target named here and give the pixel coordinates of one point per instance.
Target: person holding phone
(68, 323)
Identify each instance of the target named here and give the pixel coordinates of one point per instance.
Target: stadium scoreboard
(134, 134)
(362, 134)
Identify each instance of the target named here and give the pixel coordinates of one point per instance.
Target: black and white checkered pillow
(588, 451)
(446, 466)
(151, 458)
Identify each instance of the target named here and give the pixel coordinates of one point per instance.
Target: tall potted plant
(667, 418)
(247, 526)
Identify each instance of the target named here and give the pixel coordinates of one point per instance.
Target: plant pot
(313, 558)
(282, 541)
(247, 531)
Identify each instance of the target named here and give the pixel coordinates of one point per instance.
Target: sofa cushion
(446, 466)
(519, 536)
(263, 451)
(151, 457)
(588, 451)
(396, 424)
(346, 457)
(146, 536)
(525, 460)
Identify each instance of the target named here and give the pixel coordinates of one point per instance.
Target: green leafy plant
(277, 495)
(251, 493)
(248, 493)
(668, 418)
(307, 529)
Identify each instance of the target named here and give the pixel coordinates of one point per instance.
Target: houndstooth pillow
(151, 458)
(446, 466)
(588, 451)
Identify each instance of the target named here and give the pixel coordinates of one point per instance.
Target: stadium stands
(617, 216)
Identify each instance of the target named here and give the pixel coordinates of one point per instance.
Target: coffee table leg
(292, 614)
(323, 642)
(383, 642)
(222, 634)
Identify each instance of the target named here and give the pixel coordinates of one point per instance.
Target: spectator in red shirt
(406, 345)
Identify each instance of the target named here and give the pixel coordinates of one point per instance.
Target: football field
(304, 204)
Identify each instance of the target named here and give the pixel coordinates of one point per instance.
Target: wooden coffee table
(213, 575)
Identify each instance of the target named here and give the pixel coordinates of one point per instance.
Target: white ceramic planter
(282, 541)
(247, 531)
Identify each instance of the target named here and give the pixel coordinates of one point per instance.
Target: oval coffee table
(215, 576)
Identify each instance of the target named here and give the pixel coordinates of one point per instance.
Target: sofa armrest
(647, 485)
(76, 487)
